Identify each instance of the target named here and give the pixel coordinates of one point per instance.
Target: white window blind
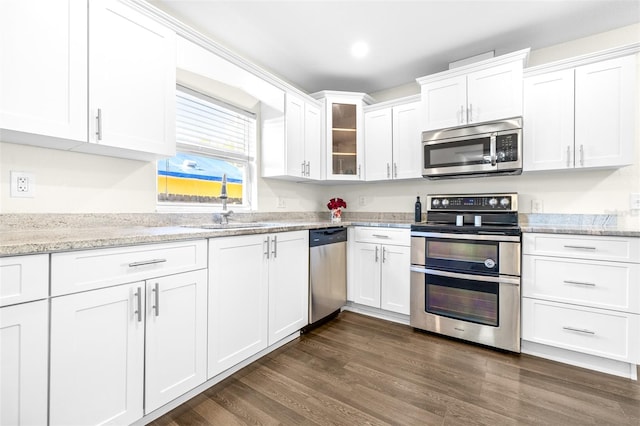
(204, 124)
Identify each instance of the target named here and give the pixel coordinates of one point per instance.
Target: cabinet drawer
(620, 249)
(609, 285)
(393, 236)
(607, 334)
(90, 269)
(23, 278)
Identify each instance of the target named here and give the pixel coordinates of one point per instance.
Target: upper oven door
(461, 155)
(473, 254)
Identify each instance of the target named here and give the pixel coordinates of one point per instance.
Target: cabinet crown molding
(335, 93)
(589, 58)
(519, 55)
(393, 102)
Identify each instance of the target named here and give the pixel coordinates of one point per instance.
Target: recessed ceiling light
(359, 49)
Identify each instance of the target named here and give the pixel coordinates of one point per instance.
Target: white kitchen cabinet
(258, 293)
(580, 117)
(102, 53)
(24, 348)
(392, 142)
(380, 269)
(23, 278)
(296, 154)
(97, 356)
(581, 300)
(121, 349)
(43, 71)
(485, 91)
(344, 121)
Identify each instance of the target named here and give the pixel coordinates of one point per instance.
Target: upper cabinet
(580, 116)
(392, 141)
(483, 91)
(123, 106)
(43, 70)
(294, 153)
(344, 134)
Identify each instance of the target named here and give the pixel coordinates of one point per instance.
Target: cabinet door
(43, 71)
(605, 113)
(24, 348)
(97, 356)
(132, 80)
(313, 139)
(548, 121)
(495, 93)
(288, 284)
(378, 137)
(395, 276)
(238, 299)
(345, 153)
(176, 339)
(366, 274)
(294, 133)
(407, 141)
(445, 103)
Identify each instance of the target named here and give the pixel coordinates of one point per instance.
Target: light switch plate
(536, 206)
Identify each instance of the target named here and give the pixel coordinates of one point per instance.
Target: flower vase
(336, 215)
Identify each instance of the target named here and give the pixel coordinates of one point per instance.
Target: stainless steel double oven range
(465, 269)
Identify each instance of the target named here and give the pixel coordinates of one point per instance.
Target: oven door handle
(502, 279)
(478, 237)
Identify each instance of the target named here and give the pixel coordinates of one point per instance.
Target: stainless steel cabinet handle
(376, 254)
(146, 262)
(582, 155)
(359, 168)
(379, 235)
(580, 247)
(395, 170)
(388, 171)
(267, 252)
(275, 247)
(308, 168)
(304, 170)
(156, 290)
(579, 330)
(579, 283)
(99, 125)
(139, 300)
(568, 156)
(470, 118)
(384, 254)
(461, 114)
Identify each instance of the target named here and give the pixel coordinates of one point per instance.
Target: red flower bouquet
(336, 203)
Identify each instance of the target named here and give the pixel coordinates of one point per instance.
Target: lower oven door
(480, 309)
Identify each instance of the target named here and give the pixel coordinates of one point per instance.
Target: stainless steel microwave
(476, 150)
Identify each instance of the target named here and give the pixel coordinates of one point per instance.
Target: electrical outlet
(536, 206)
(362, 201)
(634, 201)
(281, 203)
(23, 185)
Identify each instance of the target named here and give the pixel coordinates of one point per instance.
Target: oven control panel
(482, 202)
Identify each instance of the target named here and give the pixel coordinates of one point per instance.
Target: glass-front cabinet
(344, 134)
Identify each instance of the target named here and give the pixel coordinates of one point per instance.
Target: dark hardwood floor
(358, 370)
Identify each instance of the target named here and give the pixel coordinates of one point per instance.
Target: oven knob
(504, 202)
(445, 202)
(436, 202)
(490, 263)
(493, 202)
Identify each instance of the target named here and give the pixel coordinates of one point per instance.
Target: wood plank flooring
(358, 370)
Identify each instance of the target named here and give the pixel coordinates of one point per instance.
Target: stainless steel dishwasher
(327, 273)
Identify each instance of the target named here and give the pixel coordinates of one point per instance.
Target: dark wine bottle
(418, 211)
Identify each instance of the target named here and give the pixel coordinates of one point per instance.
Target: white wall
(74, 183)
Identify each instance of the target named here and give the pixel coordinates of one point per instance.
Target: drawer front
(23, 279)
(72, 272)
(608, 334)
(392, 236)
(608, 285)
(620, 249)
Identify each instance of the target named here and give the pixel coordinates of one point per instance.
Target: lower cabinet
(258, 294)
(23, 363)
(104, 370)
(380, 272)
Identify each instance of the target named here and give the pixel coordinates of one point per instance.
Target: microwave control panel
(507, 147)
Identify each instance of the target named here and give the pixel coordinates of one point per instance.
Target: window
(214, 141)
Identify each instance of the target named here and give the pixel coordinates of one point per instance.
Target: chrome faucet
(224, 216)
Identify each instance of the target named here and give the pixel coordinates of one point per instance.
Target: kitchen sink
(233, 225)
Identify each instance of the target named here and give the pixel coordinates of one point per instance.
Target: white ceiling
(308, 42)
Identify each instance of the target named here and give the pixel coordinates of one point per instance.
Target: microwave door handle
(492, 149)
